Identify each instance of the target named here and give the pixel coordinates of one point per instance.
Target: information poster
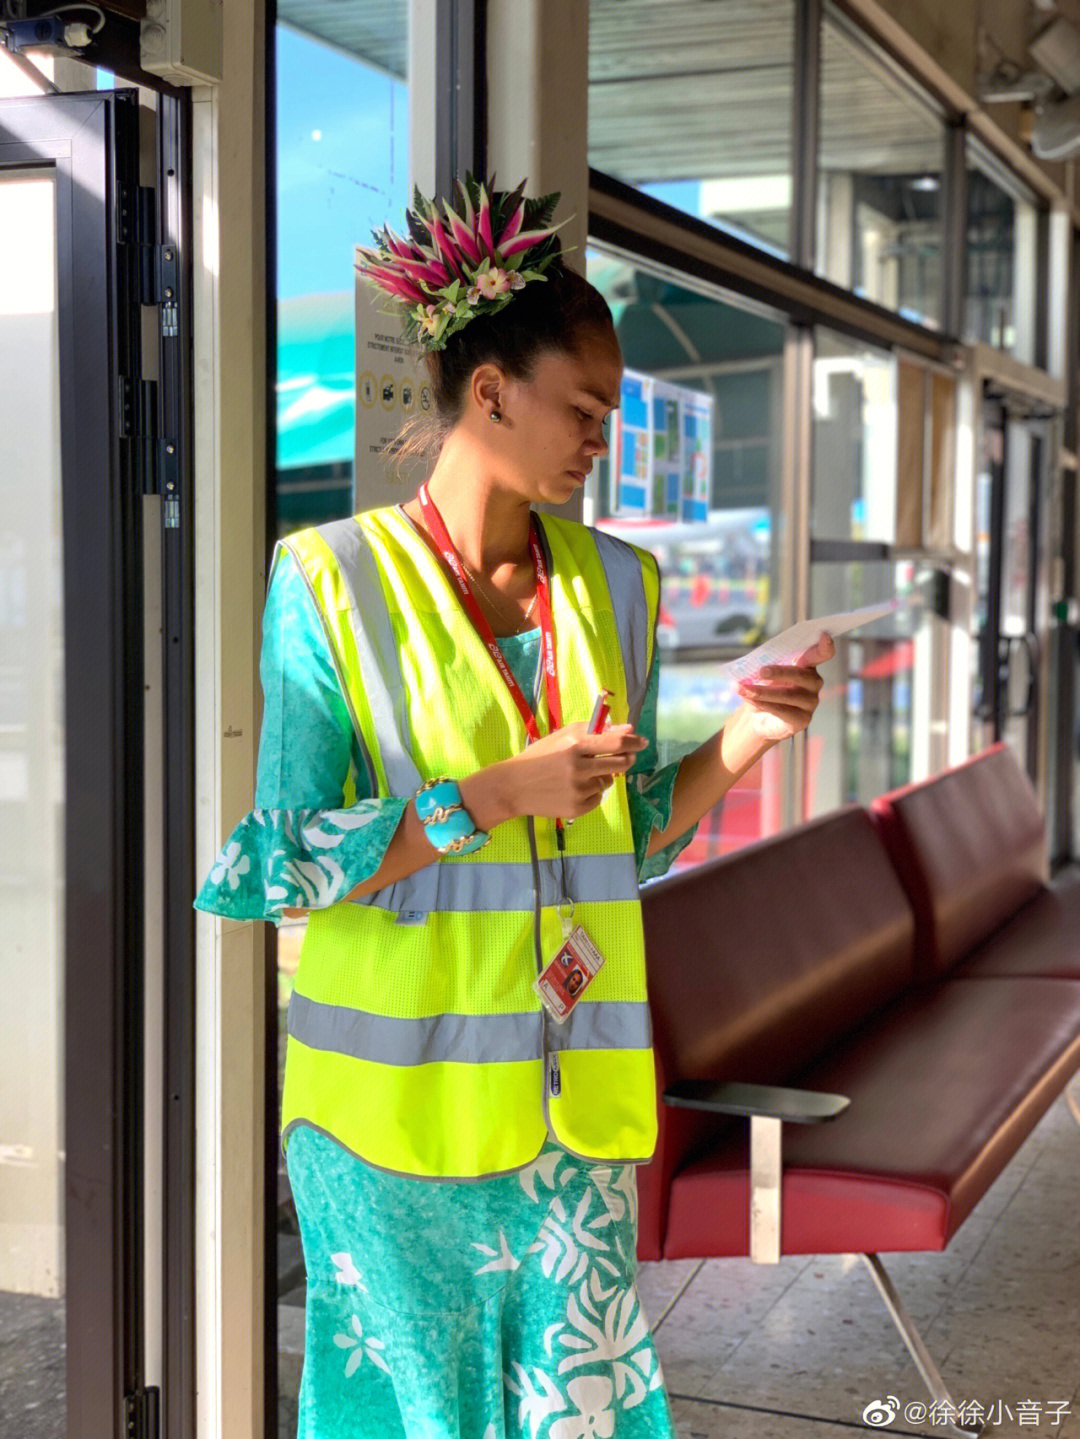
(391, 387)
(661, 450)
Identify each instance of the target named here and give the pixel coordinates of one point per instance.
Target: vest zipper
(552, 1081)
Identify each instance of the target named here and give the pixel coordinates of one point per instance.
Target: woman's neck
(488, 523)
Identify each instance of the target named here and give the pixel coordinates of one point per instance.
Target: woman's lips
(578, 475)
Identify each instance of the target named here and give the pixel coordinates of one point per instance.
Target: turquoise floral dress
(479, 1309)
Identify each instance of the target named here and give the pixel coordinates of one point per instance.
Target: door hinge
(159, 265)
(142, 1414)
(156, 458)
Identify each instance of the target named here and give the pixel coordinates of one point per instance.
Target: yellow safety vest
(415, 1036)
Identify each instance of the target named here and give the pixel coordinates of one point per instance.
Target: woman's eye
(582, 414)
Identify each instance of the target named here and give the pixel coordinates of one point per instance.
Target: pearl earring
(496, 417)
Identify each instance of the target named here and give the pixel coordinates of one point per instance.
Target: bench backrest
(758, 960)
(970, 848)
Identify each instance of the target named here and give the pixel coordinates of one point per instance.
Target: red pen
(600, 712)
(596, 725)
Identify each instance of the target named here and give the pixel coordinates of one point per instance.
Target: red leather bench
(802, 963)
(970, 849)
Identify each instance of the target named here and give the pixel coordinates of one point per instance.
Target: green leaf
(451, 291)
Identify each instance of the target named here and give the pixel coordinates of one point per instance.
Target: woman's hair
(554, 314)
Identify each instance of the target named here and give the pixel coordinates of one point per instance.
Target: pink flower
(493, 283)
(429, 321)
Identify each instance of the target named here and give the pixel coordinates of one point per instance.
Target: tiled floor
(799, 1349)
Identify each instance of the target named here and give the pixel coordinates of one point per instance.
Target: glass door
(71, 796)
(1010, 498)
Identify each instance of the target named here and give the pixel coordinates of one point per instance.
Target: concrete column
(538, 91)
(229, 294)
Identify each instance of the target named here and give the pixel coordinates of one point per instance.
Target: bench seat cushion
(969, 846)
(1043, 939)
(945, 1085)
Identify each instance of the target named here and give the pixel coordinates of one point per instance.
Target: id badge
(569, 974)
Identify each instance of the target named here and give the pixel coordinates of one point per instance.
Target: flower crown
(448, 272)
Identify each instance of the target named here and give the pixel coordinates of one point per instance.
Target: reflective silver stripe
(463, 1038)
(612, 1024)
(384, 687)
(626, 585)
(480, 886)
(377, 648)
(365, 753)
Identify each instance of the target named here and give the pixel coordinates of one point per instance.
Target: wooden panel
(910, 430)
(939, 509)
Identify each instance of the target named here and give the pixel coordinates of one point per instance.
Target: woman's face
(553, 426)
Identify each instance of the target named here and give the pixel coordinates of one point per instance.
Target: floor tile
(659, 1284)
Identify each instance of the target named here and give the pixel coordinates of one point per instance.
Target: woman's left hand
(781, 699)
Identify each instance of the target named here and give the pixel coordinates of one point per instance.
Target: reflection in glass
(671, 86)
(859, 744)
(32, 757)
(693, 475)
(1002, 260)
(855, 441)
(879, 189)
(342, 170)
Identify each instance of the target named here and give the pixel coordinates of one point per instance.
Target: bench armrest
(795, 1106)
(766, 1106)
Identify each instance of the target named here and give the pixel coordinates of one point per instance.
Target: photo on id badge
(568, 974)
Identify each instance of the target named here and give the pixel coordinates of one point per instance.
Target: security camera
(1056, 134)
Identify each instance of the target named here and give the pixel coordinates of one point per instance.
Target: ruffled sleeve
(649, 788)
(317, 830)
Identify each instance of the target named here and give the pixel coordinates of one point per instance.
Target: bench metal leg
(766, 1178)
(931, 1375)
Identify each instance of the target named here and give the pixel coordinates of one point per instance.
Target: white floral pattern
(594, 1419)
(304, 858)
(230, 865)
(347, 1272)
(604, 1324)
(360, 1346)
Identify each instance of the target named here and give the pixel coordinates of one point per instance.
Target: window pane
(342, 171)
(671, 86)
(693, 474)
(32, 773)
(1002, 261)
(855, 410)
(859, 744)
(879, 188)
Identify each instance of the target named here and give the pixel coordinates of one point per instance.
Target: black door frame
(89, 142)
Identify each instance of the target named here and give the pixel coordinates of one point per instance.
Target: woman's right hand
(566, 773)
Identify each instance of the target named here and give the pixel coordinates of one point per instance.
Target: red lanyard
(440, 534)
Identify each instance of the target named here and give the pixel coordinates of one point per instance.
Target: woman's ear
(488, 387)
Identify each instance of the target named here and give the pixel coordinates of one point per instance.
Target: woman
(461, 1130)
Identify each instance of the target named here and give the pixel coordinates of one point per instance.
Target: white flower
(347, 1272)
(594, 1420)
(534, 1406)
(370, 1346)
(230, 865)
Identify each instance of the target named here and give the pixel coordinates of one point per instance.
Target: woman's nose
(598, 442)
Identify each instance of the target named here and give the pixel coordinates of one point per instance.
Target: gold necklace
(502, 598)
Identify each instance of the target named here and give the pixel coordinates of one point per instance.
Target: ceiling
(691, 89)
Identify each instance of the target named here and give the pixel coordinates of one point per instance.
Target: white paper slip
(788, 647)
